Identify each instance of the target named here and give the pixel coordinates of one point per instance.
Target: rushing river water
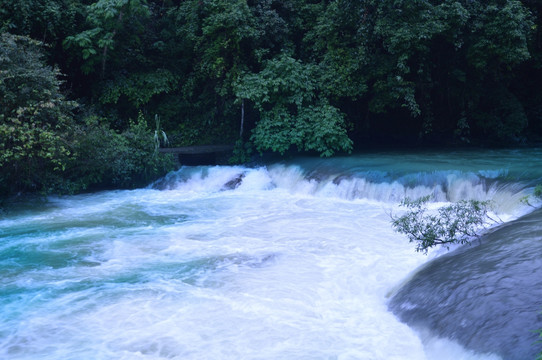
(294, 260)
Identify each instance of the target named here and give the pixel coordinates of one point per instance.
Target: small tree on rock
(457, 223)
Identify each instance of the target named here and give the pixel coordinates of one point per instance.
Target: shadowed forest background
(88, 87)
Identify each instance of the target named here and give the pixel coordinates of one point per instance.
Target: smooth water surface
(294, 260)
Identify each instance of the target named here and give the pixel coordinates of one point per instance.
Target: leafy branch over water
(458, 223)
(537, 194)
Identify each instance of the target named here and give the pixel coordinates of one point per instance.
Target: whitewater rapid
(269, 262)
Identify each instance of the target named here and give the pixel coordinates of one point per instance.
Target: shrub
(105, 158)
(457, 223)
(35, 119)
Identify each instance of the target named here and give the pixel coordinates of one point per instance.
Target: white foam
(440, 186)
(254, 275)
(278, 265)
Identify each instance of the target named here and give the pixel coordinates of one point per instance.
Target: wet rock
(234, 183)
(487, 297)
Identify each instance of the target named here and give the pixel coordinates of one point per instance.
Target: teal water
(291, 260)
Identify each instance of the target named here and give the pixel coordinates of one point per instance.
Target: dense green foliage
(285, 94)
(43, 147)
(457, 223)
(35, 119)
(108, 158)
(309, 75)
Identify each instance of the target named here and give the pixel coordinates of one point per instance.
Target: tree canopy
(319, 76)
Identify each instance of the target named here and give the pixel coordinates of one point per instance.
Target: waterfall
(289, 260)
(381, 186)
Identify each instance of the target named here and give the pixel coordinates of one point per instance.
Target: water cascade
(290, 260)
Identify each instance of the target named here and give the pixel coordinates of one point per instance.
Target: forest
(88, 88)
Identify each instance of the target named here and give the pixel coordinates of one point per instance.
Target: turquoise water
(292, 260)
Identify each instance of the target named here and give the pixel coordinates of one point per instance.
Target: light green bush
(457, 223)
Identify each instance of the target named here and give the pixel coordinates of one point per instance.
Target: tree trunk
(242, 118)
(104, 55)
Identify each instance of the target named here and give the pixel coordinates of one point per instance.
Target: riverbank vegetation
(81, 81)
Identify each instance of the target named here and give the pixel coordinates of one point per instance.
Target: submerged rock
(234, 183)
(487, 297)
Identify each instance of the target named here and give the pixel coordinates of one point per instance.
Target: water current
(288, 260)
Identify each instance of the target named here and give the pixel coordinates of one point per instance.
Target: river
(288, 260)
